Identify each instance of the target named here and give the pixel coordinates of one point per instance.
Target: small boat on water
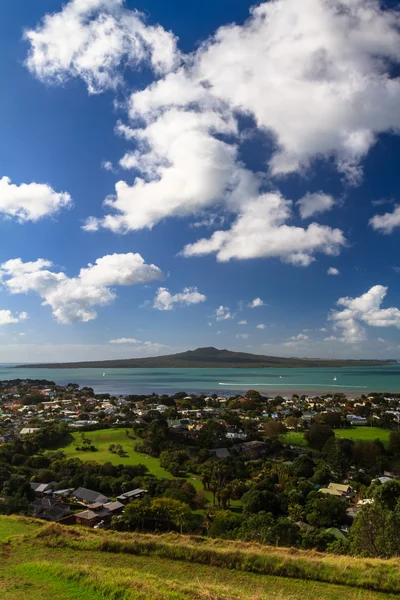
(335, 379)
(104, 374)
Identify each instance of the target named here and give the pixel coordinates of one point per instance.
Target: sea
(351, 380)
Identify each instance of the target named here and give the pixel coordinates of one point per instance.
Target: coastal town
(302, 468)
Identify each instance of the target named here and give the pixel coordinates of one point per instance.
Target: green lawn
(361, 432)
(102, 438)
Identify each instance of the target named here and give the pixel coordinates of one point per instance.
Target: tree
(212, 435)
(375, 532)
(318, 435)
(273, 429)
(324, 510)
(366, 453)
(387, 494)
(336, 457)
(394, 442)
(292, 422)
(303, 466)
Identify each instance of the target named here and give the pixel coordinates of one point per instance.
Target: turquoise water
(220, 381)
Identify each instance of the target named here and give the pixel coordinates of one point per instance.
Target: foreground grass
(360, 432)
(79, 564)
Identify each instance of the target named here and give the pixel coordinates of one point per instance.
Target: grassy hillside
(102, 439)
(210, 358)
(358, 433)
(51, 561)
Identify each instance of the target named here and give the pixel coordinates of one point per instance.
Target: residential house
(250, 450)
(49, 509)
(340, 490)
(98, 512)
(132, 495)
(88, 496)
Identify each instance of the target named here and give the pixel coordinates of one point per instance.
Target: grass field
(79, 564)
(102, 438)
(356, 433)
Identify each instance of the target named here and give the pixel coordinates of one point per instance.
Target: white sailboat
(104, 374)
(335, 379)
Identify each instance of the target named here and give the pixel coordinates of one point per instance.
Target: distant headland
(210, 358)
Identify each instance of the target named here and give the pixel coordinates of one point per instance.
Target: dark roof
(132, 494)
(221, 452)
(89, 495)
(55, 513)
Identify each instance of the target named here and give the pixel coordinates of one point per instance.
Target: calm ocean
(221, 381)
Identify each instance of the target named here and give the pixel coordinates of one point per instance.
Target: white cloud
(242, 336)
(222, 313)
(256, 302)
(315, 74)
(30, 201)
(261, 231)
(301, 337)
(93, 39)
(242, 322)
(296, 340)
(364, 310)
(73, 299)
(316, 77)
(185, 169)
(164, 300)
(387, 222)
(124, 340)
(323, 329)
(107, 165)
(260, 326)
(7, 318)
(333, 271)
(314, 204)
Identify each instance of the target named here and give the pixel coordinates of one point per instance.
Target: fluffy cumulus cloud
(72, 299)
(315, 76)
(244, 322)
(314, 204)
(164, 300)
(260, 230)
(296, 340)
(30, 201)
(387, 222)
(7, 318)
(260, 326)
(256, 303)
(333, 271)
(92, 39)
(364, 310)
(223, 313)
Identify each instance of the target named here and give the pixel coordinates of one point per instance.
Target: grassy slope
(358, 433)
(102, 439)
(72, 564)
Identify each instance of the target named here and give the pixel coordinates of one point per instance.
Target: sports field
(356, 433)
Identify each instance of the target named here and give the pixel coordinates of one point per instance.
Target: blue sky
(243, 153)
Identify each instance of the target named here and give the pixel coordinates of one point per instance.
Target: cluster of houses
(82, 408)
(97, 510)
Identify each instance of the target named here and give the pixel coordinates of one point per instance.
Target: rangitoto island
(211, 358)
